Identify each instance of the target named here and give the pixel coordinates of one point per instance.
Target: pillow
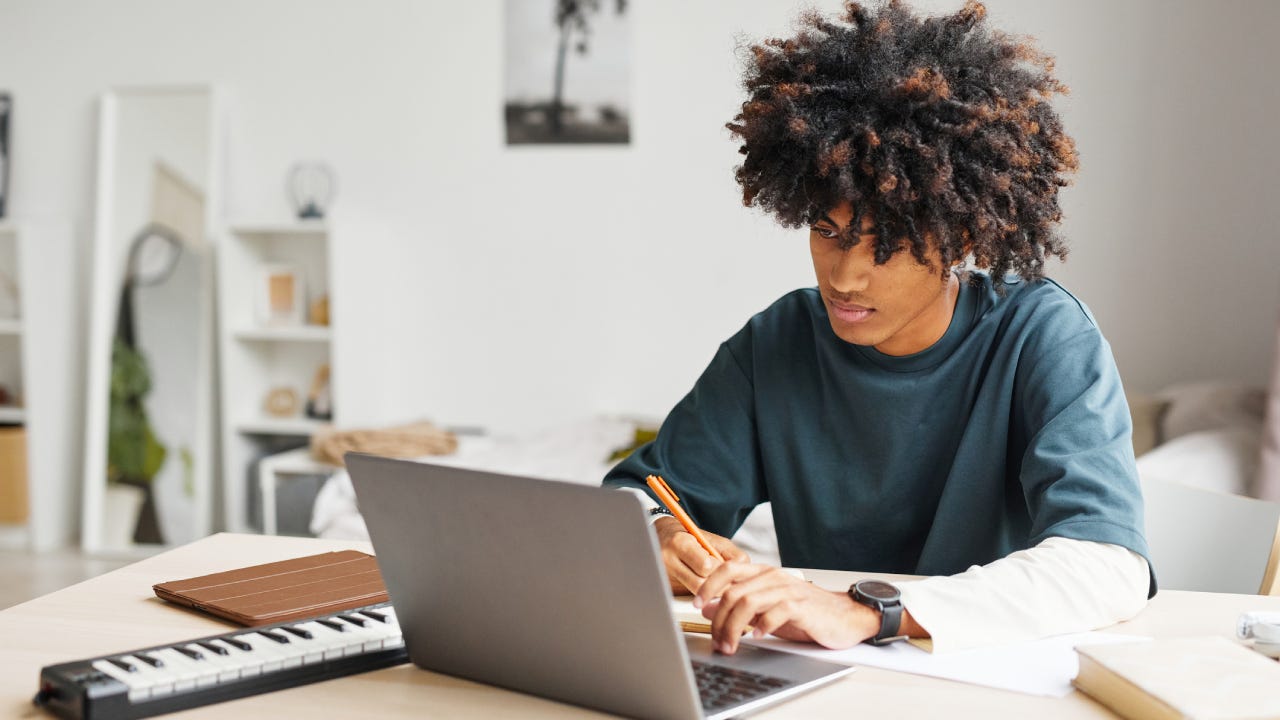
(1210, 405)
(1146, 412)
(1222, 460)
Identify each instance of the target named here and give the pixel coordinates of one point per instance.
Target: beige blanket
(405, 441)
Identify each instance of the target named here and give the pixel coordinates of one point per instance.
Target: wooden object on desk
(284, 590)
(13, 475)
(117, 612)
(1208, 678)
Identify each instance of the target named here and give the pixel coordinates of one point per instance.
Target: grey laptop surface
(552, 589)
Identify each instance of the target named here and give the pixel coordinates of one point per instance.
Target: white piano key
(236, 663)
(369, 636)
(161, 683)
(323, 639)
(395, 640)
(181, 668)
(265, 648)
(139, 687)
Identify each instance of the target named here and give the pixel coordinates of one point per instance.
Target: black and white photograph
(568, 77)
(6, 110)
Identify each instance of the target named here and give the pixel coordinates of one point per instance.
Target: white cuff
(649, 505)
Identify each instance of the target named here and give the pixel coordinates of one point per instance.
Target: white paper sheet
(1041, 667)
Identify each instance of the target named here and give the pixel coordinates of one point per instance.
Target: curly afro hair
(938, 127)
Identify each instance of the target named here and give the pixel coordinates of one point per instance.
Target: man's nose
(851, 272)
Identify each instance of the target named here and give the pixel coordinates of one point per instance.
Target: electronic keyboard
(168, 678)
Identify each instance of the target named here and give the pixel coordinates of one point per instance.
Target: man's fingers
(772, 619)
(724, 577)
(738, 609)
(694, 555)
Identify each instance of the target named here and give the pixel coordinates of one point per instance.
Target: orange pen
(668, 498)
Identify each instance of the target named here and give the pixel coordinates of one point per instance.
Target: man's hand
(687, 563)
(772, 601)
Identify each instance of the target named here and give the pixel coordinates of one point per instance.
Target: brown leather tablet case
(282, 591)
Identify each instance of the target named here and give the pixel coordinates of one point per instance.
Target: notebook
(281, 591)
(1210, 678)
(553, 589)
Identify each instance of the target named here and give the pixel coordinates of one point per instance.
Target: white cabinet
(268, 344)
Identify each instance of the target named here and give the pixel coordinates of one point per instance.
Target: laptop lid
(539, 586)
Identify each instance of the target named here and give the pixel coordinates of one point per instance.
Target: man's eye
(825, 232)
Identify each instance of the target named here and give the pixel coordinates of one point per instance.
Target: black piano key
(278, 637)
(127, 667)
(216, 649)
(303, 633)
(193, 654)
(355, 620)
(333, 625)
(154, 662)
(380, 617)
(238, 643)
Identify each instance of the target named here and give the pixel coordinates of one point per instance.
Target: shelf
(300, 333)
(10, 415)
(296, 462)
(301, 228)
(301, 426)
(10, 326)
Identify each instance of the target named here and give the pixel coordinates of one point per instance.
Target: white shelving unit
(257, 358)
(15, 491)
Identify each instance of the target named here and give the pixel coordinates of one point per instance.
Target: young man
(906, 416)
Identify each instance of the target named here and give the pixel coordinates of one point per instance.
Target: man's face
(900, 307)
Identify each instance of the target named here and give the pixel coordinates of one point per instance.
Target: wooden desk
(117, 611)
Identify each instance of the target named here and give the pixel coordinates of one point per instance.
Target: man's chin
(856, 335)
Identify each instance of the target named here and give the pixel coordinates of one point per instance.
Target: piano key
(364, 638)
(233, 664)
(321, 639)
(355, 619)
(238, 642)
(333, 624)
(214, 648)
(272, 653)
(380, 617)
(184, 671)
(274, 635)
(159, 683)
(297, 631)
(189, 651)
(149, 659)
(113, 669)
(122, 664)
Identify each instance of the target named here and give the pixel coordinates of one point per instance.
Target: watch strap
(890, 623)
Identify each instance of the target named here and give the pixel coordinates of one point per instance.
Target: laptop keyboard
(720, 686)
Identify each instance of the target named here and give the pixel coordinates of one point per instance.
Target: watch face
(878, 590)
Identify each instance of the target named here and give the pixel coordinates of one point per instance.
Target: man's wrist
(864, 620)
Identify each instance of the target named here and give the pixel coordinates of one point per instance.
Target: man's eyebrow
(829, 220)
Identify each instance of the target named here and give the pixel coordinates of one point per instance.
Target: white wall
(477, 284)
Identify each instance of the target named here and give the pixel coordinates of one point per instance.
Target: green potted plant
(134, 454)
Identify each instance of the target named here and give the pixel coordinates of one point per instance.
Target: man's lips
(849, 312)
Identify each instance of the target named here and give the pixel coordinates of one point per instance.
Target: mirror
(149, 450)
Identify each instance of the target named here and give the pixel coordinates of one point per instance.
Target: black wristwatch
(884, 598)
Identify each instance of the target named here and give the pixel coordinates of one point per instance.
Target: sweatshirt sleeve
(1060, 586)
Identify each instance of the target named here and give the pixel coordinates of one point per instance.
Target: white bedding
(576, 453)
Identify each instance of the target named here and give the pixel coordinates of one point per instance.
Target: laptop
(552, 589)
